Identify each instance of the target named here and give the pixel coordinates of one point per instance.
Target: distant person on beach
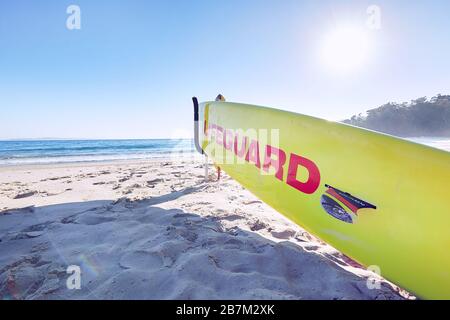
(219, 98)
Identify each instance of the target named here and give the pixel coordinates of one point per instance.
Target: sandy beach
(158, 230)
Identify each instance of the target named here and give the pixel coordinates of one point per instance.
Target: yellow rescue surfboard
(381, 200)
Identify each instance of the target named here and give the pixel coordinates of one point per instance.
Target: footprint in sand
(25, 194)
(286, 234)
(153, 182)
(251, 202)
(141, 260)
(178, 230)
(126, 178)
(257, 225)
(34, 234)
(29, 209)
(27, 235)
(59, 178)
(233, 217)
(93, 220)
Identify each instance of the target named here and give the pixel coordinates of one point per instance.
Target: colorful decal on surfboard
(335, 202)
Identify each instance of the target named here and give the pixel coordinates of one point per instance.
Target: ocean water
(439, 143)
(66, 151)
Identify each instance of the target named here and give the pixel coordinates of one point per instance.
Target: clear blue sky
(131, 70)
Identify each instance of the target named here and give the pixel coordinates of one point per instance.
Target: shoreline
(440, 143)
(100, 163)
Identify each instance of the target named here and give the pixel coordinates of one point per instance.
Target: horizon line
(88, 139)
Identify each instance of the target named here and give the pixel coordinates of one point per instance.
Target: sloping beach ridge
(158, 230)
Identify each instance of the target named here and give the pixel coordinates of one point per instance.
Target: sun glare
(345, 49)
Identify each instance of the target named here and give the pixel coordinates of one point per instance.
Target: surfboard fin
(196, 137)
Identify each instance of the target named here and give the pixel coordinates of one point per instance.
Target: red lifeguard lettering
(240, 152)
(228, 139)
(313, 181)
(273, 157)
(253, 153)
(277, 163)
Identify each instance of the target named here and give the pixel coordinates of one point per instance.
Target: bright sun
(345, 49)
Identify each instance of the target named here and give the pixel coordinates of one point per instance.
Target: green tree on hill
(421, 117)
